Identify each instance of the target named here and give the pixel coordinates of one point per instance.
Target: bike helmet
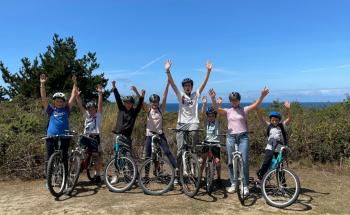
(187, 80)
(59, 95)
(91, 104)
(129, 99)
(210, 110)
(154, 97)
(234, 95)
(275, 114)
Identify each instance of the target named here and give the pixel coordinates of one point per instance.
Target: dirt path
(321, 192)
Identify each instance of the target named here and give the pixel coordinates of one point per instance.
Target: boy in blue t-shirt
(58, 114)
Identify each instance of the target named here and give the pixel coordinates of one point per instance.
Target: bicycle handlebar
(179, 130)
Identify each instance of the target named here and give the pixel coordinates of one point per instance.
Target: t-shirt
(188, 107)
(92, 123)
(276, 132)
(237, 120)
(58, 120)
(212, 129)
(154, 122)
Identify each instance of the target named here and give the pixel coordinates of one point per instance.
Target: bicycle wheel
(156, 177)
(189, 175)
(209, 177)
(240, 181)
(56, 175)
(120, 174)
(73, 172)
(280, 188)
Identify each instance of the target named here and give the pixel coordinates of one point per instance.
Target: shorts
(215, 150)
(91, 142)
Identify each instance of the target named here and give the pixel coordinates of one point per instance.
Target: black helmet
(129, 99)
(187, 80)
(234, 95)
(210, 110)
(154, 97)
(91, 104)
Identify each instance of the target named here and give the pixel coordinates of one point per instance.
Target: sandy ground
(321, 192)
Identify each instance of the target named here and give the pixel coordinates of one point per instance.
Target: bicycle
(162, 175)
(120, 172)
(280, 186)
(56, 170)
(80, 159)
(189, 166)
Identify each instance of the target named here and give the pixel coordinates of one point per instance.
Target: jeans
(243, 147)
(164, 145)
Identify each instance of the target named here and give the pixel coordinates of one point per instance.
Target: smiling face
(187, 88)
(274, 121)
(235, 103)
(211, 117)
(92, 111)
(154, 104)
(58, 103)
(128, 105)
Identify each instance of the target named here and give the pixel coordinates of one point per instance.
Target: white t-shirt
(92, 124)
(154, 122)
(188, 107)
(276, 132)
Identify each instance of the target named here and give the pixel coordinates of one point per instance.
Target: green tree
(3, 94)
(59, 63)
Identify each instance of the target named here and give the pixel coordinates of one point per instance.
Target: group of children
(188, 119)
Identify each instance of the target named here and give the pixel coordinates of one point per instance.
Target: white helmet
(59, 95)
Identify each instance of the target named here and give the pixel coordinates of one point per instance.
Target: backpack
(284, 133)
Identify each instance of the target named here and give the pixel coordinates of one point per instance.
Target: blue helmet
(210, 110)
(275, 114)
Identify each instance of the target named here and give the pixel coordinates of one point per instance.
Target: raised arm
(289, 119)
(165, 95)
(72, 95)
(78, 100)
(140, 102)
(117, 97)
(204, 105)
(261, 118)
(44, 100)
(209, 66)
(219, 110)
(256, 104)
(100, 98)
(144, 105)
(170, 78)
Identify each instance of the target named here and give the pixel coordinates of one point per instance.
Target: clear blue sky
(300, 49)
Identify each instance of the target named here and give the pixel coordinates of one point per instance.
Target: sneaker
(245, 191)
(97, 179)
(231, 189)
(114, 180)
(176, 181)
(219, 183)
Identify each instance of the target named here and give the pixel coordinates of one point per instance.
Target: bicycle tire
(124, 169)
(192, 176)
(273, 175)
(209, 177)
(153, 182)
(55, 175)
(240, 182)
(74, 171)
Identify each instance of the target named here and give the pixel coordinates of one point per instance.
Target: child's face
(235, 103)
(187, 88)
(128, 105)
(58, 103)
(154, 104)
(211, 117)
(274, 121)
(92, 111)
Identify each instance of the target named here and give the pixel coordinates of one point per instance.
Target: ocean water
(174, 107)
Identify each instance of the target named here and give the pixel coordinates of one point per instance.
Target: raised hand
(99, 88)
(212, 93)
(167, 65)
(204, 100)
(133, 88)
(209, 65)
(42, 78)
(74, 79)
(143, 92)
(264, 92)
(287, 104)
(113, 84)
(77, 92)
(219, 101)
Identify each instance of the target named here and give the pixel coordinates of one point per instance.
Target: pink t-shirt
(237, 120)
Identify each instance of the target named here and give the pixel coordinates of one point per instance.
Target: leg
(266, 164)
(230, 142)
(64, 147)
(50, 149)
(165, 147)
(244, 149)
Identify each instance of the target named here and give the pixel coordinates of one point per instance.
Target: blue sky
(298, 48)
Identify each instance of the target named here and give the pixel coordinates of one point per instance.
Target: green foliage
(3, 94)
(59, 63)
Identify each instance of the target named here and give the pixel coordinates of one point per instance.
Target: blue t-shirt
(58, 120)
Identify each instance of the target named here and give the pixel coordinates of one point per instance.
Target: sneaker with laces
(114, 180)
(245, 191)
(231, 189)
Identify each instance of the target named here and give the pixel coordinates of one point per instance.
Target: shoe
(258, 183)
(114, 180)
(245, 191)
(231, 189)
(97, 179)
(219, 183)
(176, 181)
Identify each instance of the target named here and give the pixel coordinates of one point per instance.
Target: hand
(264, 92)
(167, 65)
(287, 104)
(143, 92)
(219, 101)
(77, 92)
(204, 100)
(209, 65)
(42, 78)
(74, 79)
(99, 88)
(113, 84)
(133, 88)
(212, 93)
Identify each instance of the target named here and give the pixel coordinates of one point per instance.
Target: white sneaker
(245, 191)
(231, 189)
(114, 179)
(176, 181)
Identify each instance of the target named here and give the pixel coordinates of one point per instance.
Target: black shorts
(215, 150)
(91, 142)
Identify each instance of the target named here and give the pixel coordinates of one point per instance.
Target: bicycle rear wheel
(73, 172)
(280, 188)
(120, 174)
(156, 177)
(209, 177)
(190, 175)
(56, 175)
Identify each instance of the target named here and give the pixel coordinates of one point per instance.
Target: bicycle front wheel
(56, 175)
(189, 175)
(280, 188)
(73, 172)
(156, 177)
(240, 180)
(120, 174)
(209, 177)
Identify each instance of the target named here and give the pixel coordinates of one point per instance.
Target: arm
(78, 100)
(165, 95)
(140, 102)
(100, 98)
(204, 105)
(212, 95)
(261, 118)
(117, 97)
(209, 66)
(72, 96)
(144, 105)
(257, 103)
(170, 78)
(44, 101)
(289, 119)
